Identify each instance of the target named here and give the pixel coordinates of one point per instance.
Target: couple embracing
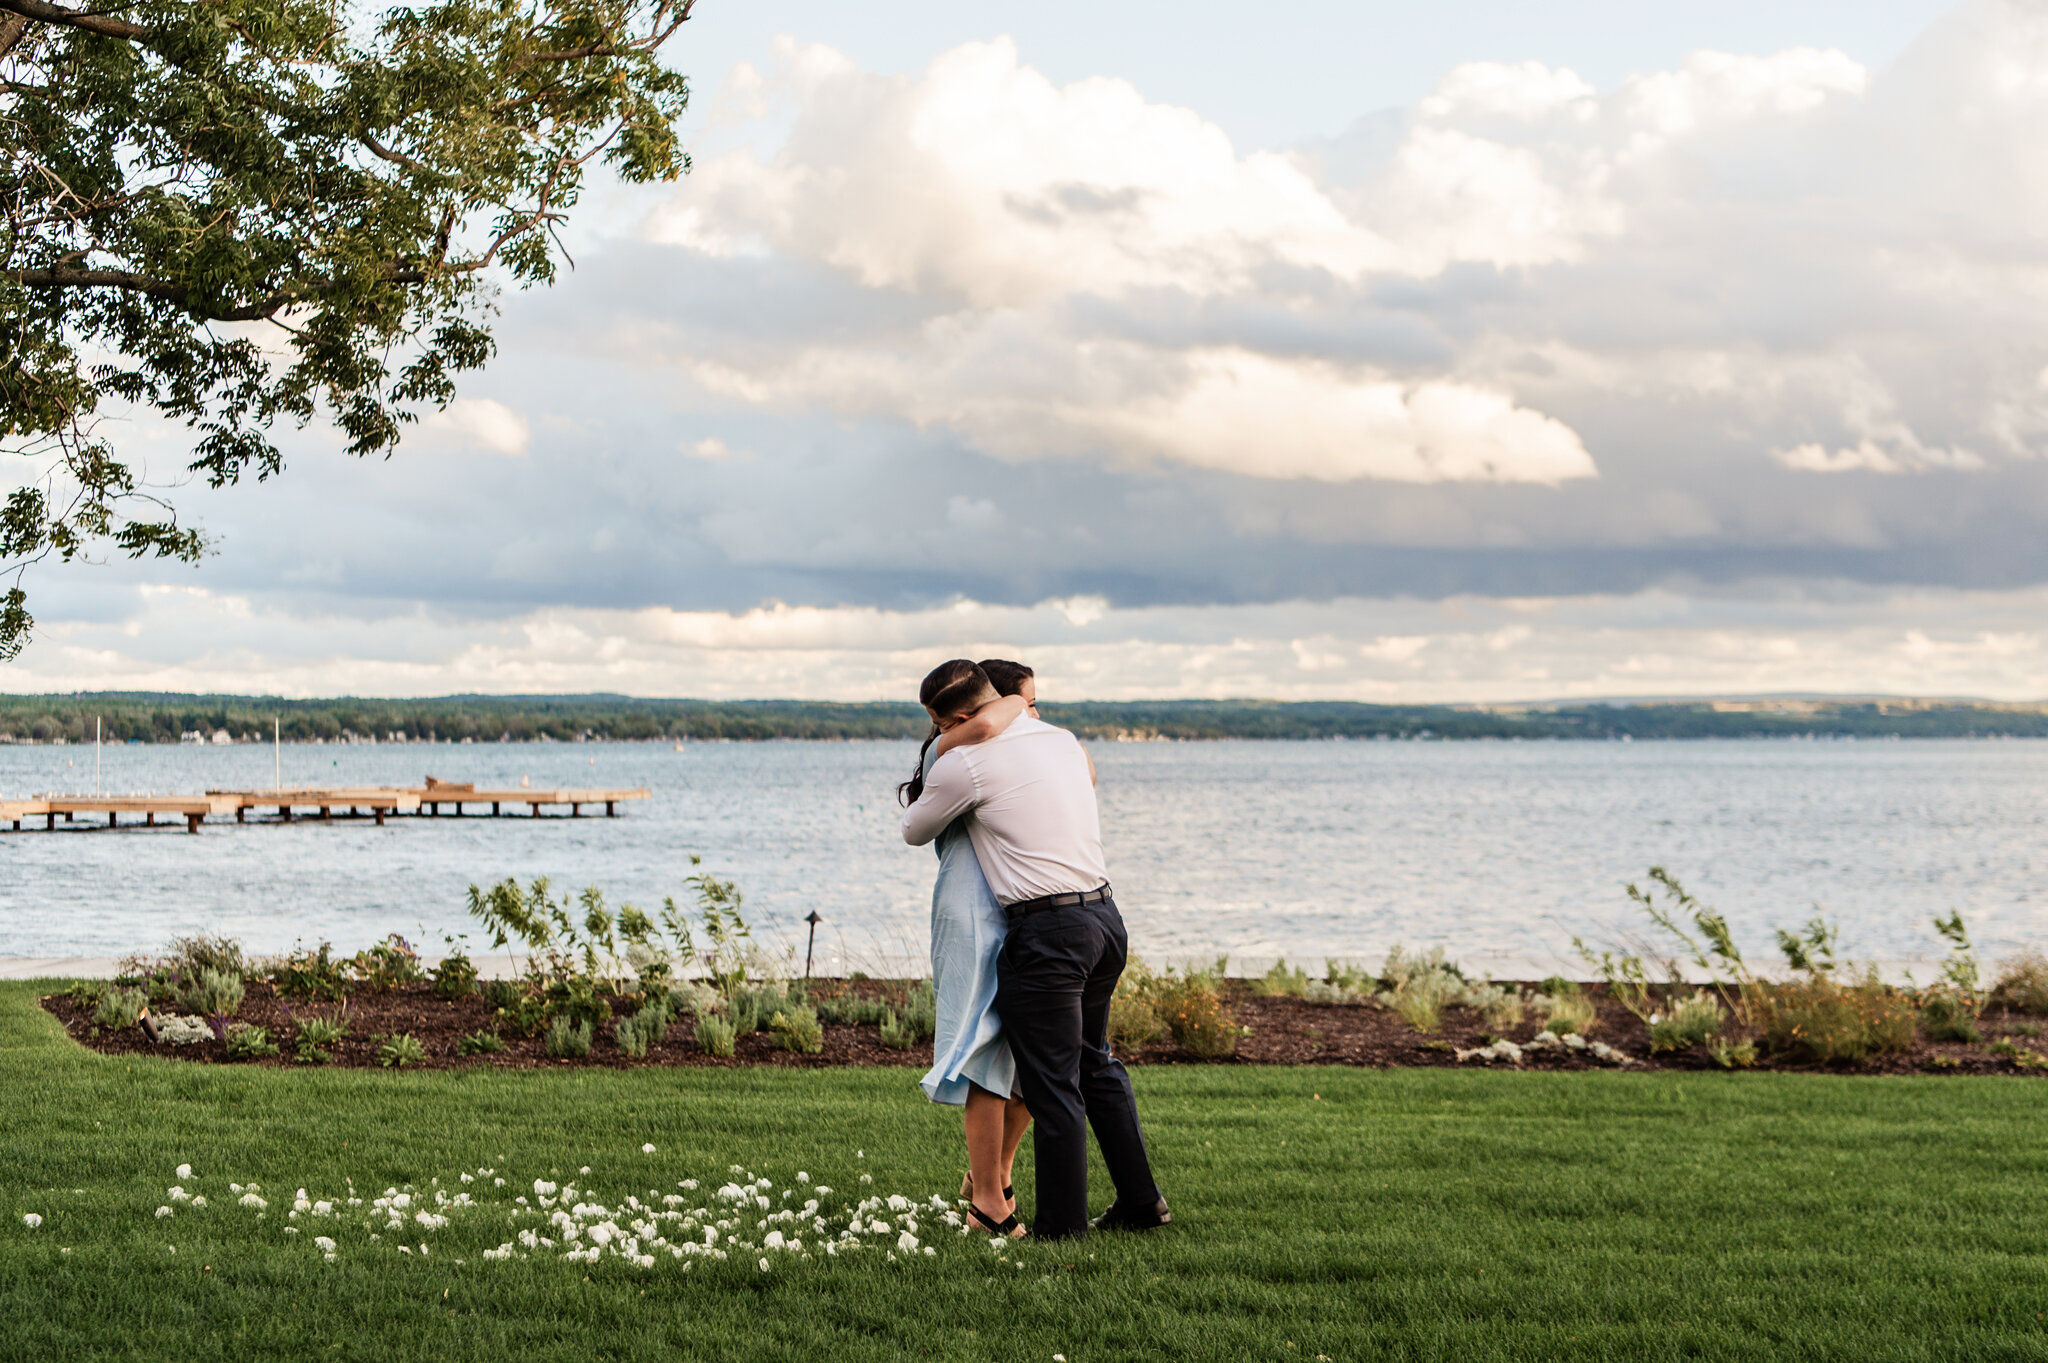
(1027, 946)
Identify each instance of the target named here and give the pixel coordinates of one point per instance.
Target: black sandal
(1008, 1227)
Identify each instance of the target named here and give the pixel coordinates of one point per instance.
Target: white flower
(178, 1195)
(906, 1241)
(199, 1201)
(823, 1191)
(930, 1252)
(291, 1230)
(162, 1212)
(251, 1200)
(764, 1265)
(234, 1187)
(867, 1178)
(405, 1249)
(184, 1171)
(324, 1244)
(541, 1189)
(1059, 1358)
(469, 1178)
(31, 1220)
(688, 1185)
(647, 1149)
(802, 1177)
(584, 1170)
(323, 1209)
(898, 1203)
(860, 1154)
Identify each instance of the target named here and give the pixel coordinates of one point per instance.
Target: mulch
(1283, 1031)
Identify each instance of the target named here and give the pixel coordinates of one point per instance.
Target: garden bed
(1275, 1030)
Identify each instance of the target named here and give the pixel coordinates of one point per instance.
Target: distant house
(220, 737)
(191, 736)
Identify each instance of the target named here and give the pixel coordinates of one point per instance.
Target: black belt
(1070, 900)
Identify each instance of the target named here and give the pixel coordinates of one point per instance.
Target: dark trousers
(1054, 979)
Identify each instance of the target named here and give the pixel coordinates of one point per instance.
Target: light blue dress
(968, 927)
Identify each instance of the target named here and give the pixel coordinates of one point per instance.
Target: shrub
(896, 1033)
(1322, 991)
(321, 1031)
(119, 1007)
(1949, 1015)
(480, 1043)
(310, 974)
(921, 1010)
(1822, 1021)
(2022, 984)
(715, 1035)
(1193, 1011)
(1133, 1021)
(569, 1038)
(400, 1051)
(1419, 987)
(246, 1042)
(1739, 1055)
(851, 1010)
(389, 963)
(1693, 1021)
(1345, 975)
(211, 993)
(525, 1015)
(311, 1055)
(1279, 980)
(1500, 1006)
(577, 998)
(744, 1011)
(693, 998)
(796, 1030)
(1566, 1014)
(455, 977)
(630, 1037)
(502, 993)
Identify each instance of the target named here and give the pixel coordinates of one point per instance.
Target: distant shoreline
(122, 717)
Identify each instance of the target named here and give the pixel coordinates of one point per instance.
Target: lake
(1499, 851)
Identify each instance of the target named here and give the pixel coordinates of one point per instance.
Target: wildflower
(405, 1249)
(584, 1170)
(930, 1252)
(1059, 1358)
(688, 1185)
(802, 1177)
(324, 1244)
(542, 1189)
(860, 1154)
(469, 1178)
(906, 1241)
(176, 1194)
(647, 1149)
(234, 1187)
(162, 1212)
(200, 1200)
(31, 1220)
(867, 1178)
(898, 1203)
(323, 1209)
(252, 1200)
(773, 1240)
(823, 1191)
(184, 1171)
(764, 1265)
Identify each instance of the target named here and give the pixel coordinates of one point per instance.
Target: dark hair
(948, 689)
(1006, 677)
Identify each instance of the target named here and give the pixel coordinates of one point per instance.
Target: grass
(1417, 1214)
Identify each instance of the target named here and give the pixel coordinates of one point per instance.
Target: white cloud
(484, 424)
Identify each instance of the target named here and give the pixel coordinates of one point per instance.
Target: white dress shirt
(1034, 827)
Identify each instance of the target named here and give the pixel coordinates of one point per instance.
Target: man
(1038, 837)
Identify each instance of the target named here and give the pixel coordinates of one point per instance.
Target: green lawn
(1349, 1214)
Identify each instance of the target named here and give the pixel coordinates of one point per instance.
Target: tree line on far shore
(165, 718)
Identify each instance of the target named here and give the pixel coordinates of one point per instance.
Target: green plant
(630, 1037)
(693, 998)
(897, 1034)
(2031, 1030)
(1500, 1006)
(311, 1055)
(1420, 987)
(1322, 991)
(1133, 1021)
(400, 1051)
(1949, 1015)
(119, 1007)
(306, 973)
(247, 1042)
(1350, 977)
(715, 1036)
(455, 977)
(1191, 1006)
(527, 1012)
(1280, 980)
(921, 1010)
(743, 1010)
(480, 1043)
(502, 993)
(2021, 1056)
(849, 1009)
(1695, 1020)
(386, 965)
(1707, 943)
(212, 993)
(2022, 984)
(796, 1029)
(1829, 1023)
(315, 1030)
(569, 1038)
(645, 1028)
(86, 993)
(1566, 1014)
(1738, 1055)
(576, 997)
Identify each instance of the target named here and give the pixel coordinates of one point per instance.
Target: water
(1501, 851)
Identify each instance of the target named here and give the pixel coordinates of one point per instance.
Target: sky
(1463, 352)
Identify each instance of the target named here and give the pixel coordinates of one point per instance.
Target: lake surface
(1499, 851)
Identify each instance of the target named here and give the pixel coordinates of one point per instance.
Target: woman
(971, 1064)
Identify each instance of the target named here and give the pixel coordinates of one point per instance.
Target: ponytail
(908, 792)
(952, 688)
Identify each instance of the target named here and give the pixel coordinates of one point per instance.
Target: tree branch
(180, 295)
(45, 13)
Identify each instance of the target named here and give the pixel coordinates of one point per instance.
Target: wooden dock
(306, 802)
